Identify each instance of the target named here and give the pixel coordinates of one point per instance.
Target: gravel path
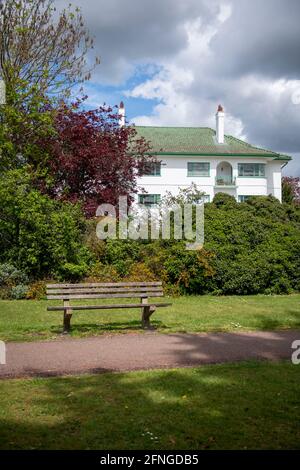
(142, 351)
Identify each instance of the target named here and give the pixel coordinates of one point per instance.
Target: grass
(253, 405)
(29, 320)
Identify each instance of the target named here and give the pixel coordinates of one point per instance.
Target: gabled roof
(197, 141)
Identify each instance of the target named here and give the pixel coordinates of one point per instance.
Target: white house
(215, 162)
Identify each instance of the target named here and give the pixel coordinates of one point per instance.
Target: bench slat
(107, 307)
(104, 284)
(103, 290)
(103, 296)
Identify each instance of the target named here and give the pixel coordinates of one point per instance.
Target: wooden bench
(141, 290)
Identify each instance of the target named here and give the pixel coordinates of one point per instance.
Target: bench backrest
(104, 290)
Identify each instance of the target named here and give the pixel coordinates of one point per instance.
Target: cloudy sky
(173, 61)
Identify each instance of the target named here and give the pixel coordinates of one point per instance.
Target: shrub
(139, 272)
(256, 245)
(121, 254)
(19, 292)
(96, 247)
(36, 290)
(5, 293)
(224, 200)
(72, 272)
(102, 273)
(188, 270)
(11, 276)
(43, 237)
(250, 248)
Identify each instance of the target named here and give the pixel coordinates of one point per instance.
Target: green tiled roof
(199, 141)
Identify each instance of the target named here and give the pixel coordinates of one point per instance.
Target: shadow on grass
(264, 322)
(99, 328)
(217, 407)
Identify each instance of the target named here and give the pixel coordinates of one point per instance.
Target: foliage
(291, 190)
(190, 195)
(140, 272)
(38, 235)
(71, 271)
(11, 276)
(43, 47)
(256, 246)
(5, 293)
(92, 159)
(26, 118)
(36, 290)
(19, 292)
(12, 282)
(103, 273)
(42, 56)
(224, 200)
(250, 248)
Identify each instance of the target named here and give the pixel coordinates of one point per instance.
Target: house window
(198, 169)
(152, 169)
(251, 169)
(243, 198)
(149, 199)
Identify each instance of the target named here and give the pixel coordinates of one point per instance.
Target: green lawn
(29, 320)
(247, 405)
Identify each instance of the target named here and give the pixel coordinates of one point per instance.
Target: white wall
(274, 173)
(174, 176)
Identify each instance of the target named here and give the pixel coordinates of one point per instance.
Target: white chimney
(220, 117)
(122, 114)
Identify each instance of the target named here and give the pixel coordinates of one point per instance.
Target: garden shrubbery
(250, 248)
(40, 236)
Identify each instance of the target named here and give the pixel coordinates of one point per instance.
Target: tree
(42, 55)
(291, 190)
(38, 235)
(41, 48)
(189, 195)
(24, 121)
(92, 159)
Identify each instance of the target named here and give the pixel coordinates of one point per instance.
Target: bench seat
(141, 290)
(106, 307)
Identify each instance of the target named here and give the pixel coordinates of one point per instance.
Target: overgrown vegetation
(250, 248)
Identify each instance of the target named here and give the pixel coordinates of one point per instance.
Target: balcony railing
(225, 181)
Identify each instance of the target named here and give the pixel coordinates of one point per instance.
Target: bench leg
(67, 317)
(147, 312)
